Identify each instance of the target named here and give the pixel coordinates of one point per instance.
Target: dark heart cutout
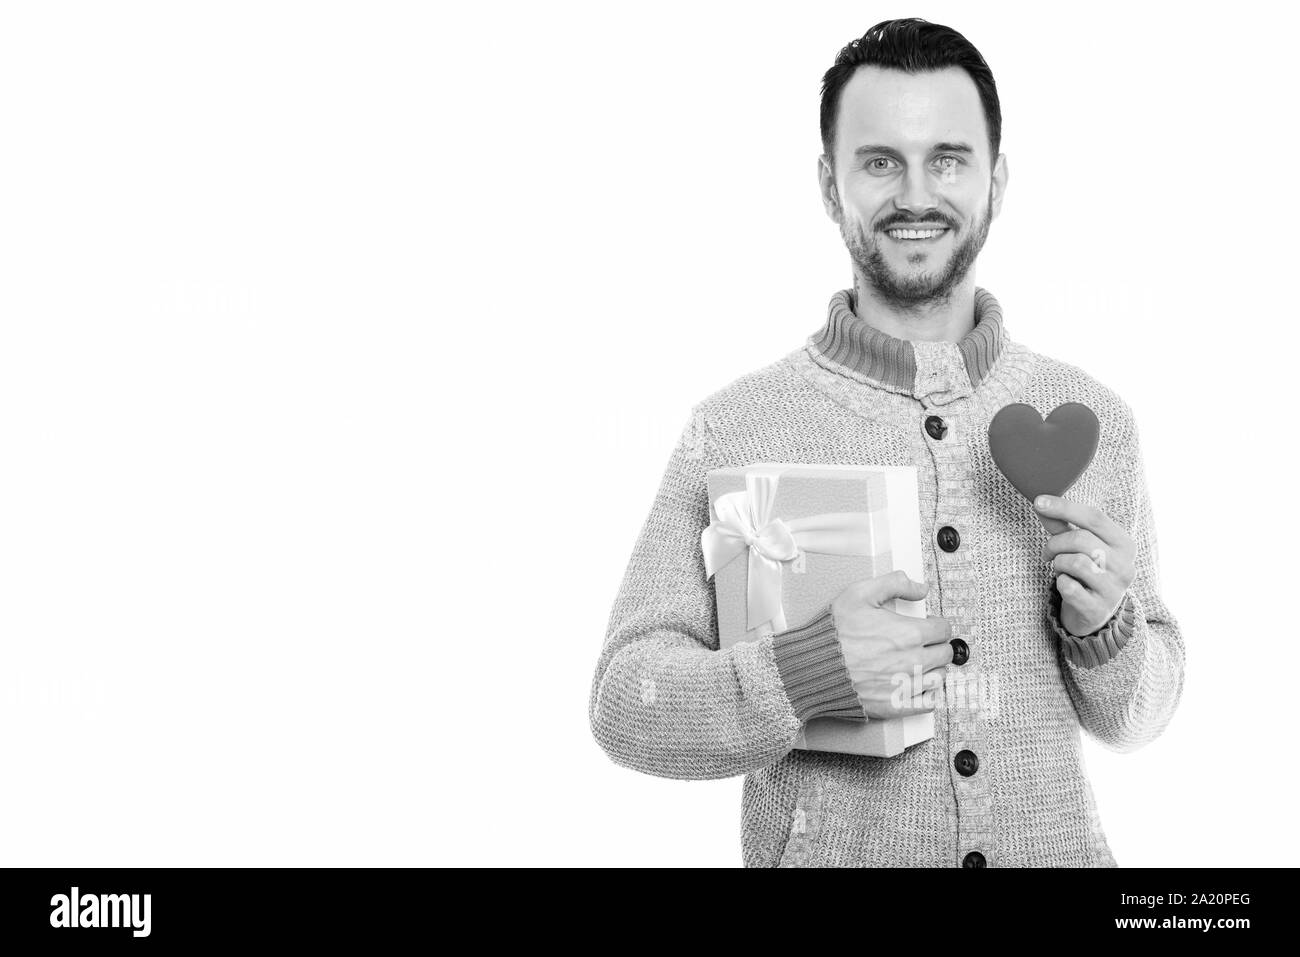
(1043, 457)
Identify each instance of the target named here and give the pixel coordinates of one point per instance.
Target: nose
(917, 195)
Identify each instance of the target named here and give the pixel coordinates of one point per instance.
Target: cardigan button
(966, 763)
(960, 651)
(949, 539)
(973, 859)
(935, 427)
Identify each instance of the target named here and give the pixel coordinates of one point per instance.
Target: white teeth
(914, 233)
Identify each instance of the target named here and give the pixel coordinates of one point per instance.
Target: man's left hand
(1093, 562)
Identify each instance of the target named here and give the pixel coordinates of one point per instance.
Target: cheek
(964, 198)
(853, 217)
(862, 210)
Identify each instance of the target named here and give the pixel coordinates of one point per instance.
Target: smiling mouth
(916, 235)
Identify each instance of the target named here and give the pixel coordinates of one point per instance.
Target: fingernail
(1043, 501)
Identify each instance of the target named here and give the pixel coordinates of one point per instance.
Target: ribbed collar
(891, 362)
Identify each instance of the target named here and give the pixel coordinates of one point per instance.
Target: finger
(1085, 601)
(1085, 516)
(1076, 540)
(934, 630)
(926, 701)
(932, 684)
(1071, 588)
(937, 657)
(908, 632)
(929, 681)
(1109, 561)
(916, 680)
(896, 584)
(1083, 570)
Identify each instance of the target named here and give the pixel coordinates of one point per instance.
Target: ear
(999, 183)
(830, 194)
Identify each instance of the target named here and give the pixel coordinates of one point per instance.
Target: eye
(879, 164)
(948, 161)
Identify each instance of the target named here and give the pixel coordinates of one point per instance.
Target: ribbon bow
(743, 521)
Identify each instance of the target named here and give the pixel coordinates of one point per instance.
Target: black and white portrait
(709, 435)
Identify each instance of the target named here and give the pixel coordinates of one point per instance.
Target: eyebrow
(937, 148)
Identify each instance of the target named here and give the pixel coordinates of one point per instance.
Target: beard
(914, 291)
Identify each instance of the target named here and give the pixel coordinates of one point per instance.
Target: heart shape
(1043, 456)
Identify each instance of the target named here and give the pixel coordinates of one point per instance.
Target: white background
(342, 347)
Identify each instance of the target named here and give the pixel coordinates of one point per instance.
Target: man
(908, 368)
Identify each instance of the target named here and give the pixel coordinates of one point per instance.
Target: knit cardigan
(1002, 782)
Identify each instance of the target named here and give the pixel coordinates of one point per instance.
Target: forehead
(909, 111)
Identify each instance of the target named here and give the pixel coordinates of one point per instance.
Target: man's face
(912, 150)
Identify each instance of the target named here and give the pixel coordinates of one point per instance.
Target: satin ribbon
(743, 522)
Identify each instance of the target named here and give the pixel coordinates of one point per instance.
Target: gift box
(785, 539)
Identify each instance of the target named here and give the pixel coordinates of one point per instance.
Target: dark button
(973, 859)
(949, 539)
(966, 763)
(936, 427)
(960, 651)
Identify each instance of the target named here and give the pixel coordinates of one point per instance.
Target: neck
(937, 320)
(848, 343)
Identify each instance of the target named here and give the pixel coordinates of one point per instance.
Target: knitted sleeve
(1126, 678)
(664, 700)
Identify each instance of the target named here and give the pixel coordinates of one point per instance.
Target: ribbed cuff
(813, 671)
(1102, 645)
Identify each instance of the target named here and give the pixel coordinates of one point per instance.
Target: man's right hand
(879, 644)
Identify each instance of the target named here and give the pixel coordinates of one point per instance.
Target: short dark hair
(914, 46)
